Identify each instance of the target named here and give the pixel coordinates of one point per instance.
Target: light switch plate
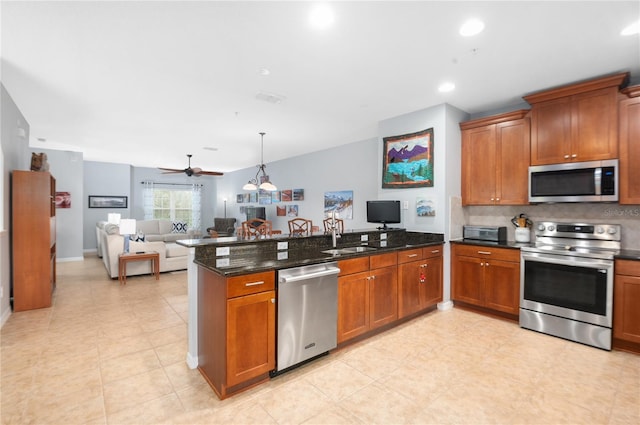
(283, 245)
(222, 251)
(364, 238)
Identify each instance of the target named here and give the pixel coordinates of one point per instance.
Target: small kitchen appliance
(566, 281)
(485, 233)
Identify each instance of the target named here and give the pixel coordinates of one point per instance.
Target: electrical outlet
(221, 251)
(283, 245)
(364, 238)
(405, 205)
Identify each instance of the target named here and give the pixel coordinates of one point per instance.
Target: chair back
(339, 224)
(256, 228)
(300, 226)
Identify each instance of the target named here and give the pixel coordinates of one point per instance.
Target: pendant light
(260, 181)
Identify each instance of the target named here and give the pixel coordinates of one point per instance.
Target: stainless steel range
(566, 281)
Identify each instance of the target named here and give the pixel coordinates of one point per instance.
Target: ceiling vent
(270, 97)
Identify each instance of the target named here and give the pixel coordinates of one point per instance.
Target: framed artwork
(425, 207)
(275, 196)
(292, 210)
(286, 195)
(264, 197)
(239, 198)
(340, 202)
(408, 160)
(298, 194)
(281, 210)
(107, 201)
(63, 200)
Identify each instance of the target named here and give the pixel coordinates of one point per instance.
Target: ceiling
(145, 83)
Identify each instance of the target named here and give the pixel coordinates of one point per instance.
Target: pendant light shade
(260, 181)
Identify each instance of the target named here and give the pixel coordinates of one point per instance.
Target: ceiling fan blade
(210, 173)
(196, 170)
(170, 170)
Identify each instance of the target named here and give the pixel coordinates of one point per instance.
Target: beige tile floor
(111, 354)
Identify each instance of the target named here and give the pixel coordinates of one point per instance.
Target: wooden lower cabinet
(487, 277)
(626, 299)
(419, 281)
(236, 329)
(367, 294)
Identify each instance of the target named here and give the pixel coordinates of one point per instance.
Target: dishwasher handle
(327, 272)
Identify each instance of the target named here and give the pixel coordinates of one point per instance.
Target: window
(174, 205)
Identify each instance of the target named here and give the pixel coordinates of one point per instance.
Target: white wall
(349, 167)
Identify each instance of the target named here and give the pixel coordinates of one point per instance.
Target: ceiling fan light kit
(258, 181)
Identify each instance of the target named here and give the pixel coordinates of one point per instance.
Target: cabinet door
(551, 131)
(630, 151)
(626, 315)
(502, 286)
(467, 274)
(409, 287)
(512, 162)
(353, 305)
(594, 125)
(251, 336)
(383, 296)
(431, 288)
(479, 165)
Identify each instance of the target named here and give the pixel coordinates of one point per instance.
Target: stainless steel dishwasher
(307, 313)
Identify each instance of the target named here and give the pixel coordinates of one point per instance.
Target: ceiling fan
(191, 171)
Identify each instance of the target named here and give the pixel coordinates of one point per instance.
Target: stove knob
(551, 228)
(612, 230)
(599, 230)
(541, 227)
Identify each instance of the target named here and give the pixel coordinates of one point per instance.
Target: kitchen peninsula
(386, 277)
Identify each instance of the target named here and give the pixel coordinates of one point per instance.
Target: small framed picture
(107, 201)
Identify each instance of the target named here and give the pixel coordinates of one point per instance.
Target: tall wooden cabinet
(495, 160)
(33, 239)
(630, 146)
(576, 123)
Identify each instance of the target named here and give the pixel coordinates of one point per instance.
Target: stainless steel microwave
(593, 181)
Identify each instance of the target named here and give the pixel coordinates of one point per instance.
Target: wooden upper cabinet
(495, 159)
(576, 123)
(630, 146)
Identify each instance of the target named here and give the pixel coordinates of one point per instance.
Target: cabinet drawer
(383, 260)
(479, 251)
(409, 255)
(355, 265)
(432, 251)
(627, 267)
(250, 284)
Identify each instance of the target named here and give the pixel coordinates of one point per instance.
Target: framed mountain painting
(408, 160)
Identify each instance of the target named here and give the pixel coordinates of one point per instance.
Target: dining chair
(300, 226)
(339, 223)
(256, 228)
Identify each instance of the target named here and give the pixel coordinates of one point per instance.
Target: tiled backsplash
(628, 216)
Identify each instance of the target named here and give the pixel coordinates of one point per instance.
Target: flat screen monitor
(256, 212)
(383, 212)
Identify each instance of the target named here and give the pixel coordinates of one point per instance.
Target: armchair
(222, 227)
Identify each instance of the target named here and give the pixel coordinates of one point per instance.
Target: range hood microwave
(593, 181)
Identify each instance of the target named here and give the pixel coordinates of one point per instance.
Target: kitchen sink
(348, 250)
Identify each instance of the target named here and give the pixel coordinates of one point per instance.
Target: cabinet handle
(484, 252)
(486, 264)
(435, 251)
(273, 300)
(575, 155)
(254, 283)
(497, 199)
(482, 264)
(412, 255)
(566, 157)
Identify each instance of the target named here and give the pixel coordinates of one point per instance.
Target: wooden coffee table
(123, 259)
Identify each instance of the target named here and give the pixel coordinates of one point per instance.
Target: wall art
(408, 160)
(63, 200)
(340, 202)
(425, 207)
(107, 201)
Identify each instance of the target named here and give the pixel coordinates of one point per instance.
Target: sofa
(172, 256)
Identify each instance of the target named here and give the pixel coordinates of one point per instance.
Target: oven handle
(567, 260)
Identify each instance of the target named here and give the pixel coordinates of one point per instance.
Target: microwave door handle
(597, 179)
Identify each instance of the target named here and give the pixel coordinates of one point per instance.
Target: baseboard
(5, 317)
(90, 251)
(192, 361)
(69, 259)
(446, 305)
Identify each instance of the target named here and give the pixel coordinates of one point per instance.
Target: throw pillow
(139, 237)
(111, 229)
(179, 227)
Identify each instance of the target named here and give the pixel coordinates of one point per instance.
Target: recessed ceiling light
(321, 16)
(446, 87)
(471, 27)
(209, 148)
(264, 72)
(632, 29)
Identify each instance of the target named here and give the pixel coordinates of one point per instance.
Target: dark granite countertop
(263, 254)
(628, 254)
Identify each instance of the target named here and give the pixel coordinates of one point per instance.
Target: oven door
(572, 287)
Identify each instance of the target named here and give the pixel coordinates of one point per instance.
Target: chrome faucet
(334, 230)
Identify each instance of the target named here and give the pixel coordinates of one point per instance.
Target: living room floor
(111, 354)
